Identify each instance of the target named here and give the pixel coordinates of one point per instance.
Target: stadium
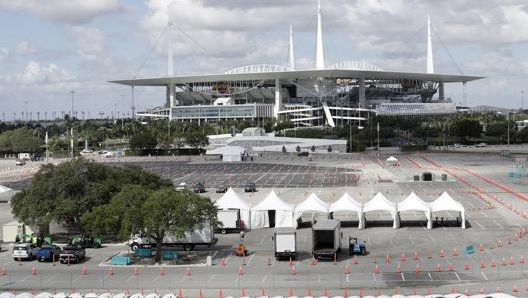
(340, 94)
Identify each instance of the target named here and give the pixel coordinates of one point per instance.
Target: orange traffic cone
(84, 271)
(136, 271)
(416, 257)
(200, 294)
(493, 263)
(3, 272)
(514, 290)
(387, 259)
(398, 269)
(290, 293)
(325, 293)
(512, 261)
(290, 263)
(110, 271)
(376, 270)
(222, 262)
(33, 271)
(503, 262)
(347, 269)
(441, 254)
(418, 270)
(220, 294)
(481, 247)
(240, 271)
(180, 293)
(437, 267)
(269, 261)
(345, 293)
(162, 270)
(293, 271)
(309, 292)
(455, 253)
(243, 294)
(402, 258)
(262, 293)
(356, 261)
(466, 267)
(313, 262)
(521, 260)
(188, 271)
(450, 268)
(481, 291)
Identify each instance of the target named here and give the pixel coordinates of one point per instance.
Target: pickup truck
(50, 253)
(72, 254)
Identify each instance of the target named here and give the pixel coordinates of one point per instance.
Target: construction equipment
(356, 247)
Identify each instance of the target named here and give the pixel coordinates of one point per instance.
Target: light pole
(72, 93)
(25, 102)
(522, 101)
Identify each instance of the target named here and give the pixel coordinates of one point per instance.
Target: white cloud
(34, 73)
(24, 47)
(66, 11)
(4, 53)
(90, 41)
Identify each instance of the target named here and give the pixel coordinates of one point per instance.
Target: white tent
(446, 203)
(380, 203)
(229, 153)
(283, 212)
(230, 200)
(312, 203)
(413, 203)
(347, 203)
(392, 161)
(4, 189)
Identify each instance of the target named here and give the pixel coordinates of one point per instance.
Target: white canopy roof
(392, 158)
(273, 202)
(283, 212)
(413, 202)
(446, 203)
(346, 203)
(226, 150)
(312, 203)
(379, 202)
(230, 200)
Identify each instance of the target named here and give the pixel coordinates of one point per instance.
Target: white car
(26, 251)
(181, 186)
(480, 145)
(20, 162)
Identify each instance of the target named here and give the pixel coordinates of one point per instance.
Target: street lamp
(25, 102)
(522, 101)
(72, 93)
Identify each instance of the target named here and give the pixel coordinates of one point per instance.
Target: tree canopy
(65, 192)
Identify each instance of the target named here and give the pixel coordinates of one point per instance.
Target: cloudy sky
(50, 48)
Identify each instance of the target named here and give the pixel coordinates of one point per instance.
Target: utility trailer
(229, 220)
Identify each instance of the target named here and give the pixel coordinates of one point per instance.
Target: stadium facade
(341, 94)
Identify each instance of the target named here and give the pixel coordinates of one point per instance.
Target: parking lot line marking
(130, 278)
(430, 277)
(403, 276)
(264, 278)
(412, 240)
(77, 278)
(250, 258)
(499, 225)
(458, 277)
(484, 275)
(476, 221)
(210, 277)
(374, 276)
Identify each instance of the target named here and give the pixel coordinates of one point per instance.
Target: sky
(56, 52)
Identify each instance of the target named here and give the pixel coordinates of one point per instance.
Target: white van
(24, 156)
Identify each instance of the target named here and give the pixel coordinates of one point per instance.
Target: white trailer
(229, 220)
(285, 243)
(203, 236)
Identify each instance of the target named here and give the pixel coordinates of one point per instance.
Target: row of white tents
(286, 214)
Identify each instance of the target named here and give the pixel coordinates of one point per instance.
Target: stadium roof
(299, 74)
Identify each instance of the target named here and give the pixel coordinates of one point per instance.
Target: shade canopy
(380, 203)
(414, 203)
(231, 200)
(446, 203)
(348, 203)
(283, 212)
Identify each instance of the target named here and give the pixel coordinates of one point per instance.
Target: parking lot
(406, 260)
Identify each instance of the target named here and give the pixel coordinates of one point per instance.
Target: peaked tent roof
(413, 202)
(273, 202)
(312, 203)
(379, 202)
(392, 158)
(230, 200)
(345, 203)
(445, 202)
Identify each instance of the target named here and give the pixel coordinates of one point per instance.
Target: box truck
(204, 236)
(285, 243)
(229, 220)
(326, 239)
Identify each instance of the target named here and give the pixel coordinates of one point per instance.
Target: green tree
(155, 212)
(143, 140)
(64, 193)
(283, 149)
(467, 128)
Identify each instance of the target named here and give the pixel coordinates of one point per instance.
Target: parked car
(181, 186)
(24, 251)
(49, 253)
(250, 187)
(304, 153)
(20, 162)
(199, 187)
(72, 254)
(481, 145)
(221, 189)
